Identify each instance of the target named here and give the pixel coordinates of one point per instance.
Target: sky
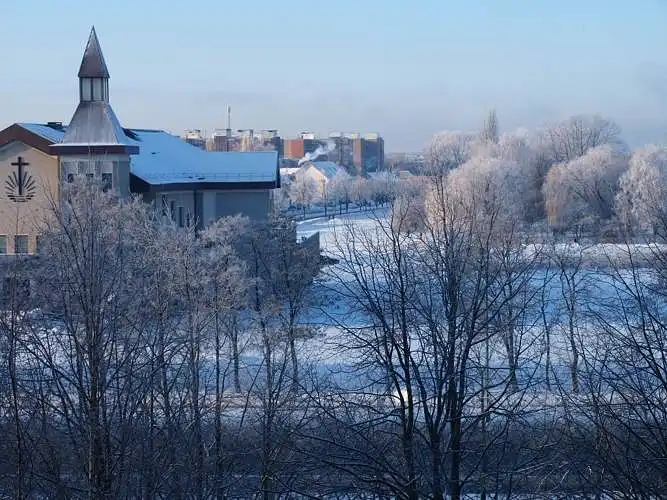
(404, 69)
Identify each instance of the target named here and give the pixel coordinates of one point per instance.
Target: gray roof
(94, 122)
(93, 64)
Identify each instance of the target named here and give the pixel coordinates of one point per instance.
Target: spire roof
(92, 64)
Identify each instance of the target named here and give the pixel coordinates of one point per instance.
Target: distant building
(369, 154)
(195, 138)
(297, 148)
(359, 155)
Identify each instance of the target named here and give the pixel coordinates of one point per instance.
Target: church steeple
(93, 72)
(95, 143)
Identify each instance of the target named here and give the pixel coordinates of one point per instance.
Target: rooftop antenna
(229, 127)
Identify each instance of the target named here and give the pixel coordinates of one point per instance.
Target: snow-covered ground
(335, 317)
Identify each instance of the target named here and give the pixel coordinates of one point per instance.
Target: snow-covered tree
(383, 187)
(583, 190)
(572, 138)
(481, 188)
(303, 191)
(446, 151)
(490, 132)
(340, 191)
(360, 190)
(642, 199)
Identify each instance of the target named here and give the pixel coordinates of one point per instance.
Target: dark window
(107, 182)
(70, 178)
(3, 244)
(38, 243)
(21, 243)
(90, 177)
(172, 210)
(181, 220)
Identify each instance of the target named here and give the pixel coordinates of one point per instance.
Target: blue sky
(405, 69)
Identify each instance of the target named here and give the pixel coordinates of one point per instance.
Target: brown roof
(17, 133)
(93, 64)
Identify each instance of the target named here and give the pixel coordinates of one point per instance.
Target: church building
(183, 181)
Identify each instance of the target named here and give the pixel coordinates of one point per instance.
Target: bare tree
(490, 132)
(93, 261)
(574, 137)
(428, 301)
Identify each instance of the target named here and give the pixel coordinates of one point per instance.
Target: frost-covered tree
(572, 138)
(490, 131)
(481, 188)
(584, 189)
(383, 187)
(340, 191)
(641, 202)
(446, 151)
(303, 191)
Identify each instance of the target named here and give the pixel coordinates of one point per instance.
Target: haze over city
(404, 70)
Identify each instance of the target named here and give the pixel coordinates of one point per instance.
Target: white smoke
(321, 150)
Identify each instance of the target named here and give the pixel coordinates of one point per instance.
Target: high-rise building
(369, 153)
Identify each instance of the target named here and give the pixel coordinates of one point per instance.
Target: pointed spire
(92, 64)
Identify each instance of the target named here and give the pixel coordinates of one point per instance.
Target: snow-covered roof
(328, 168)
(167, 159)
(289, 170)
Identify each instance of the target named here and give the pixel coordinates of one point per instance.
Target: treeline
(574, 177)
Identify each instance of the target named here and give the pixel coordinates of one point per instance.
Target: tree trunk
(236, 354)
(295, 360)
(455, 453)
(18, 431)
(218, 412)
(436, 470)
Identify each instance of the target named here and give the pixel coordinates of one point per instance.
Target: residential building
(369, 153)
(321, 172)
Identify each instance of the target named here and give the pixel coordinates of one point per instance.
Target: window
(70, 178)
(181, 220)
(90, 177)
(172, 210)
(164, 206)
(86, 89)
(3, 244)
(107, 182)
(97, 89)
(38, 244)
(21, 243)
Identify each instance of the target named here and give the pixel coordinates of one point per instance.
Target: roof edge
(16, 132)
